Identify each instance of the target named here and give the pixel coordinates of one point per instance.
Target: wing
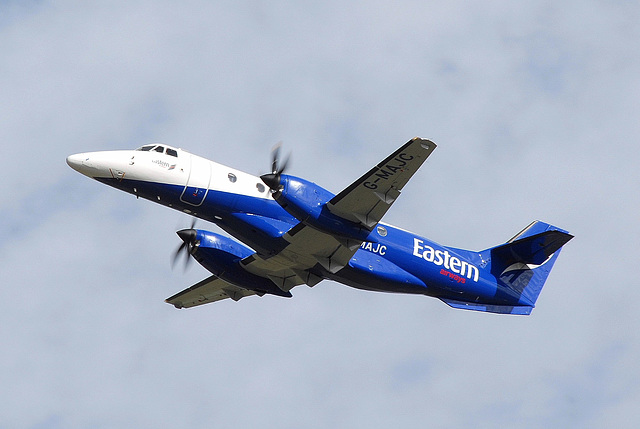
(311, 253)
(296, 263)
(208, 290)
(365, 202)
(368, 198)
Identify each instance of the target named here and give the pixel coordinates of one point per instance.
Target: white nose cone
(104, 164)
(87, 163)
(76, 162)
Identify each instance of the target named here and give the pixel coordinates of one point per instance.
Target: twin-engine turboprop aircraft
(295, 232)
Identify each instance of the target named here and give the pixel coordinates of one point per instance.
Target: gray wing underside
(208, 290)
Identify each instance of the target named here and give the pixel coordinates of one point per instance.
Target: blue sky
(534, 109)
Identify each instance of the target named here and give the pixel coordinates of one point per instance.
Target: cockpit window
(158, 148)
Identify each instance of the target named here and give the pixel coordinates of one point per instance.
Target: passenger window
(159, 149)
(172, 152)
(232, 177)
(260, 187)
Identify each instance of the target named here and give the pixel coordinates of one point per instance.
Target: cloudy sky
(534, 108)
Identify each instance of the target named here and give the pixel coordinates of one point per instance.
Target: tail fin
(524, 262)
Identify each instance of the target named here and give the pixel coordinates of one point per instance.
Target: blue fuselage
(389, 260)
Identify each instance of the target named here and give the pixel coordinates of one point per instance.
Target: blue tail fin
(523, 263)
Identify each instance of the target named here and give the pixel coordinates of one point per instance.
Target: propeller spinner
(189, 244)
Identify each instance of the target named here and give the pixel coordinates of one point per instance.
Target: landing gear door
(197, 186)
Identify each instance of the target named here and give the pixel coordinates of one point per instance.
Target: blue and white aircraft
(295, 232)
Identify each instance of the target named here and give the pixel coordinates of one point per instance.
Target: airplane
(291, 231)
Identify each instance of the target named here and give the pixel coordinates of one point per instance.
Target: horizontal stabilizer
(500, 309)
(531, 250)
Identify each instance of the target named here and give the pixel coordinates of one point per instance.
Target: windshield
(158, 148)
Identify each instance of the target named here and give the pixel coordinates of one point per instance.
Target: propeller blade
(283, 167)
(272, 180)
(187, 260)
(275, 154)
(176, 255)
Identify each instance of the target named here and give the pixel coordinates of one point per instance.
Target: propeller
(188, 246)
(272, 180)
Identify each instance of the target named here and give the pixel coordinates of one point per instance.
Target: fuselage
(390, 259)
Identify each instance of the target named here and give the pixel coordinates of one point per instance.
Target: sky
(534, 107)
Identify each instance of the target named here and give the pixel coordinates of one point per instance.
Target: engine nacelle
(307, 202)
(222, 255)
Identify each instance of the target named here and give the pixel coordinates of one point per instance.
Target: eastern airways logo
(164, 164)
(459, 268)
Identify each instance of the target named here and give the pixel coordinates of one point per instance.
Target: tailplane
(523, 263)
